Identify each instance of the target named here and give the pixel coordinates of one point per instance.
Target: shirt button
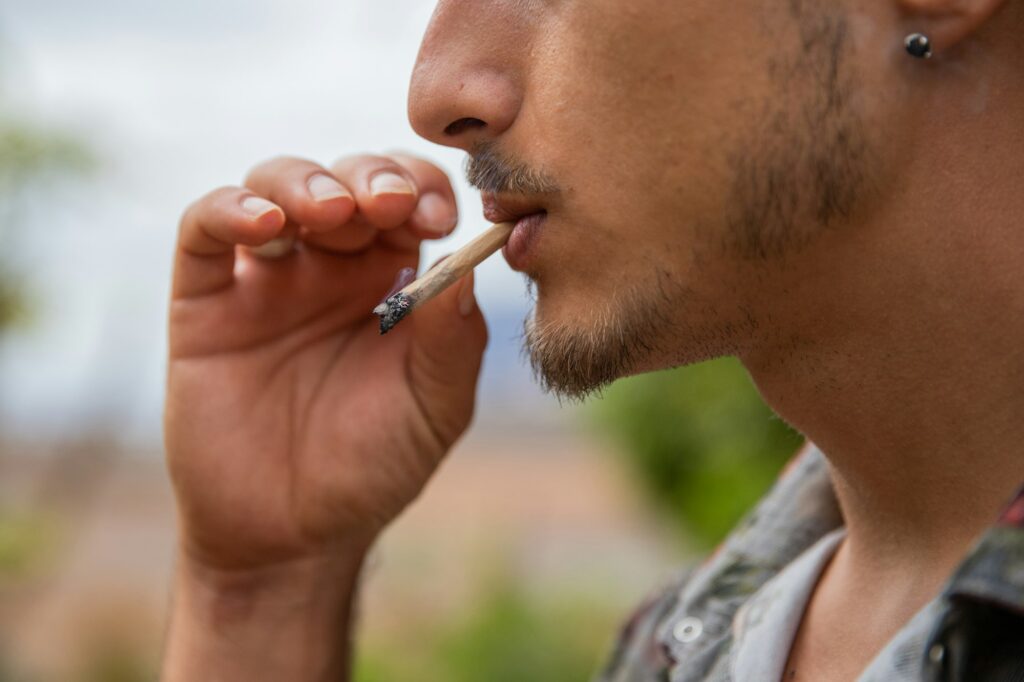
(937, 653)
(688, 630)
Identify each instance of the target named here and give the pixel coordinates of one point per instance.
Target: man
(794, 183)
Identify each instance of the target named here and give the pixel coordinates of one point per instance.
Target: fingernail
(435, 214)
(324, 188)
(389, 183)
(275, 248)
(257, 207)
(467, 301)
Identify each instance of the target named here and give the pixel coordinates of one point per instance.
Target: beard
(574, 362)
(794, 172)
(645, 328)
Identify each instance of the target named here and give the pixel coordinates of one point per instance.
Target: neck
(905, 363)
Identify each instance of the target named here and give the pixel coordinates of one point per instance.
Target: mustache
(489, 170)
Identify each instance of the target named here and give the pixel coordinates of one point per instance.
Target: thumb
(448, 340)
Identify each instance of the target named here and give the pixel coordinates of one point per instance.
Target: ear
(948, 22)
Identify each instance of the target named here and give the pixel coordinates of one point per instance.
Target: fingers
(448, 340)
(309, 194)
(319, 206)
(400, 200)
(209, 232)
(437, 212)
(361, 200)
(385, 191)
(400, 189)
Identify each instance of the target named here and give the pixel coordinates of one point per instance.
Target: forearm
(285, 622)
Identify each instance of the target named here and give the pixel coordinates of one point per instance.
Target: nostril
(462, 125)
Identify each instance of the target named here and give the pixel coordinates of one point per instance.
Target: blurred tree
(509, 635)
(116, 661)
(701, 441)
(511, 638)
(30, 158)
(26, 541)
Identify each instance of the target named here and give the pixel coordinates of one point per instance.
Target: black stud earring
(918, 45)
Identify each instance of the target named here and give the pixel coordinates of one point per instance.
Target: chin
(580, 339)
(579, 342)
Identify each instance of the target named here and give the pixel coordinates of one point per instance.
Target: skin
(780, 183)
(294, 432)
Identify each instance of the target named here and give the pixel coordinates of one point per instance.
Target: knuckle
(350, 161)
(365, 164)
(191, 210)
(375, 161)
(283, 162)
(226, 192)
(220, 194)
(409, 161)
(262, 169)
(277, 166)
(201, 206)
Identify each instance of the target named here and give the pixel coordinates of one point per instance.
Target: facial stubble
(796, 172)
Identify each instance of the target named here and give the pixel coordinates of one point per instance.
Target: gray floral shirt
(702, 627)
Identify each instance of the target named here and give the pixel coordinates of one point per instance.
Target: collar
(993, 571)
(799, 510)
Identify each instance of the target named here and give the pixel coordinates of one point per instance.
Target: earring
(918, 45)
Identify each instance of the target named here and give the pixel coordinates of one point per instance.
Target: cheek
(587, 273)
(603, 112)
(638, 106)
(583, 262)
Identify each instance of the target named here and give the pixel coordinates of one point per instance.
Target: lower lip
(523, 242)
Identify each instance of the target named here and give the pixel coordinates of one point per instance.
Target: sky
(177, 98)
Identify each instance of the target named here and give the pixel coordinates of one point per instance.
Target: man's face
(687, 154)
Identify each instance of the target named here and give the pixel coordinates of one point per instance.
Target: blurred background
(546, 525)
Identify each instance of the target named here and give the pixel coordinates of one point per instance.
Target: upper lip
(500, 208)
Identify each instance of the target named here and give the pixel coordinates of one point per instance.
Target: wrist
(287, 620)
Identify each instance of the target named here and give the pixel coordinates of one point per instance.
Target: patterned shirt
(704, 626)
(766, 625)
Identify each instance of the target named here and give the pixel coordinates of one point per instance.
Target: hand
(292, 428)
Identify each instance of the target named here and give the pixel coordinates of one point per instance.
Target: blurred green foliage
(31, 157)
(701, 441)
(509, 636)
(26, 541)
(29, 154)
(115, 661)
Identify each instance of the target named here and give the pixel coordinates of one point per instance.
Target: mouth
(529, 217)
(502, 208)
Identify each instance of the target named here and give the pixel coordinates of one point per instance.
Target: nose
(464, 87)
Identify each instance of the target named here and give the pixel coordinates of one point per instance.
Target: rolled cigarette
(441, 276)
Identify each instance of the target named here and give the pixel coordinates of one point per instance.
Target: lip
(522, 243)
(500, 208)
(528, 215)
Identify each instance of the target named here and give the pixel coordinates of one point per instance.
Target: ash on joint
(392, 310)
